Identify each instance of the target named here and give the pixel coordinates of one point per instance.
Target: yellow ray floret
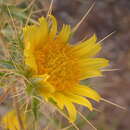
(61, 66)
(10, 121)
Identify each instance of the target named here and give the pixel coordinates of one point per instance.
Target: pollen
(57, 60)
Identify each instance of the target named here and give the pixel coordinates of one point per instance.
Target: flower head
(10, 120)
(61, 65)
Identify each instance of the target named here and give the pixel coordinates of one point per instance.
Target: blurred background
(107, 16)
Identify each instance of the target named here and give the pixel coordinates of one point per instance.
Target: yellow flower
(10, 121)
(61, 65)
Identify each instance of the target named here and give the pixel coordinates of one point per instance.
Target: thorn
(87, 121)
(62, 113)
(50, 8)
(106, 37)
(83, 18)
(66, 128)
(29, 16)
(29, 6)
(12, 20)
(114, 104)
(97, 110)
(105, 70)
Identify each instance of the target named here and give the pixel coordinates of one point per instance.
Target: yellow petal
(82, 90)
(71, 110)
(94, 63)
(57, 97)
(88, 48)
(69, 106)
(62, 101)
(64, 35)
(90, 67)
(79, 100)
(83, 44)
(43, 77)
(53, 29)
(10, 121)
(27, 33)
(90, 73)
(30, 59)
(45, 88)
(42, 31)
(89, 51)
(35, 35)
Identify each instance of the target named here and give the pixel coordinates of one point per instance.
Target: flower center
(57, 60)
